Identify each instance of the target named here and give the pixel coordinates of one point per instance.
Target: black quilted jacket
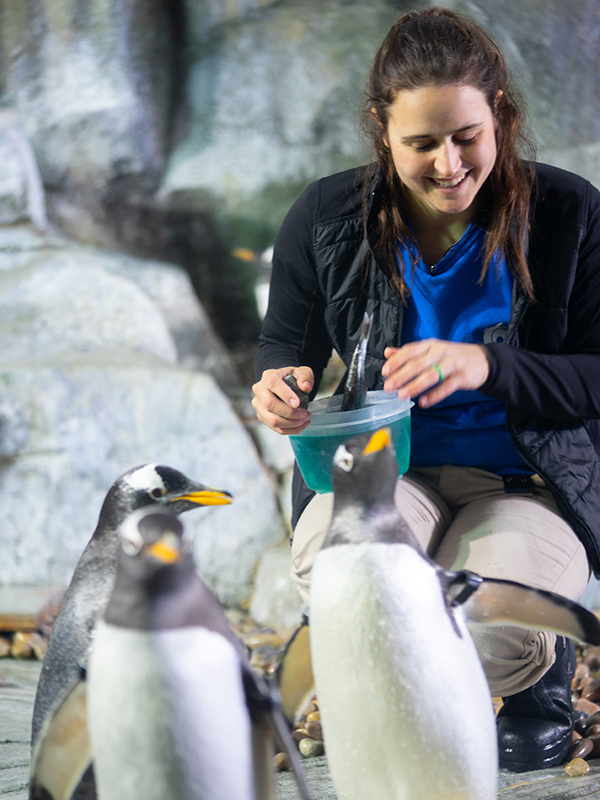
(326, 274)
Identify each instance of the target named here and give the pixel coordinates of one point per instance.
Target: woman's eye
(466, 141)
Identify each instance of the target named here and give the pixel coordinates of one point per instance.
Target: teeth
(449, 184)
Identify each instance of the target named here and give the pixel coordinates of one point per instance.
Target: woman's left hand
(434, 369)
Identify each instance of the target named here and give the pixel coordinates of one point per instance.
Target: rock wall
(175, 131)
(108, 361)
(181, 129)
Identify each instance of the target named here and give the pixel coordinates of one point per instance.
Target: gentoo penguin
(173, 710)
(381, 613)
(149, 485)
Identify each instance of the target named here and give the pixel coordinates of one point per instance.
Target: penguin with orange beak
(172, 708)
(381, 612)
(146, 486)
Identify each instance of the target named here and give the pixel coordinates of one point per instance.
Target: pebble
(582, 671)
(281, 762)
(586, 705)
(314, 730)
(311, 747)
(577, 767)
(300, 733)
(581, 749)
(591, 658)
(595, 740)
(593, 720)
(591, 691)
(21, 645)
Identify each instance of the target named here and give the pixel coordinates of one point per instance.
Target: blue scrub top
(450, 302)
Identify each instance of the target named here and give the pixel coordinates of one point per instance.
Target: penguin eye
(343, 459)
(158, 493)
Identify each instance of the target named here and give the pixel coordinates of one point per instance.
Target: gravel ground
(18, 680)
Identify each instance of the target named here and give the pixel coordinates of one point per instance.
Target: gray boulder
(21, 188)
(67, 431)
(63, 303)
(107, 362)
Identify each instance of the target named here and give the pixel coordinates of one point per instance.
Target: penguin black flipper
(264, 706)
(295, 676)
(62, 752)
(499, 602)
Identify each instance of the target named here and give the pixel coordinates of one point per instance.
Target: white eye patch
(146, 478)
(343, 458)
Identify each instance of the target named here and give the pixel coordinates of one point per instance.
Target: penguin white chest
(167, 716)
(397, 676)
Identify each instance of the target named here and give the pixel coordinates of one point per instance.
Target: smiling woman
(442, 140)
(448, 240)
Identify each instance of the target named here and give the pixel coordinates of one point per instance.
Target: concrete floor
(16, 705)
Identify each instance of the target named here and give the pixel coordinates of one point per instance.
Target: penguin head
(156, 486)
(365, 469)
(155, 556)
(155, 534)
(153, 538)
(364, 478)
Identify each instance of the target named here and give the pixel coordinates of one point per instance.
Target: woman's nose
(447, 160)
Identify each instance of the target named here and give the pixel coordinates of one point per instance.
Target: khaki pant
(463, 518)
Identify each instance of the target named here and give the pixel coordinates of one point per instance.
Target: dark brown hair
(437, 47)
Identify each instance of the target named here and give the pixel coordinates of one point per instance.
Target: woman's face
(443, 143)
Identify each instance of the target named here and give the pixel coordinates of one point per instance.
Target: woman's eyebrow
(417, 136)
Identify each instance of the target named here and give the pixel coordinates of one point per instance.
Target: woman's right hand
(276, 404)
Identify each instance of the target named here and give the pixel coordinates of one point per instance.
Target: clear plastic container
(314, 448)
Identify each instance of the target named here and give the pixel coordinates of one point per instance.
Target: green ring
(438, 369)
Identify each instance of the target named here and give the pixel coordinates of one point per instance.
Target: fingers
(276, 404)
(433, 369)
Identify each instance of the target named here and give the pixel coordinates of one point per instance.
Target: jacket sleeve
(293, 331)
(564, 385)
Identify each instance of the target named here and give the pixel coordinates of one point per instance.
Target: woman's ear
(499, 94)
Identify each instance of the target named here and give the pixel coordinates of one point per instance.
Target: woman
(482, 273)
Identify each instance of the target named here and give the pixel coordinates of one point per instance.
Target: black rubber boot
(535, 726)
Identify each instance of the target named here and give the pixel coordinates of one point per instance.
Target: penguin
(149, 485)
(173, 709)
(381, 613)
